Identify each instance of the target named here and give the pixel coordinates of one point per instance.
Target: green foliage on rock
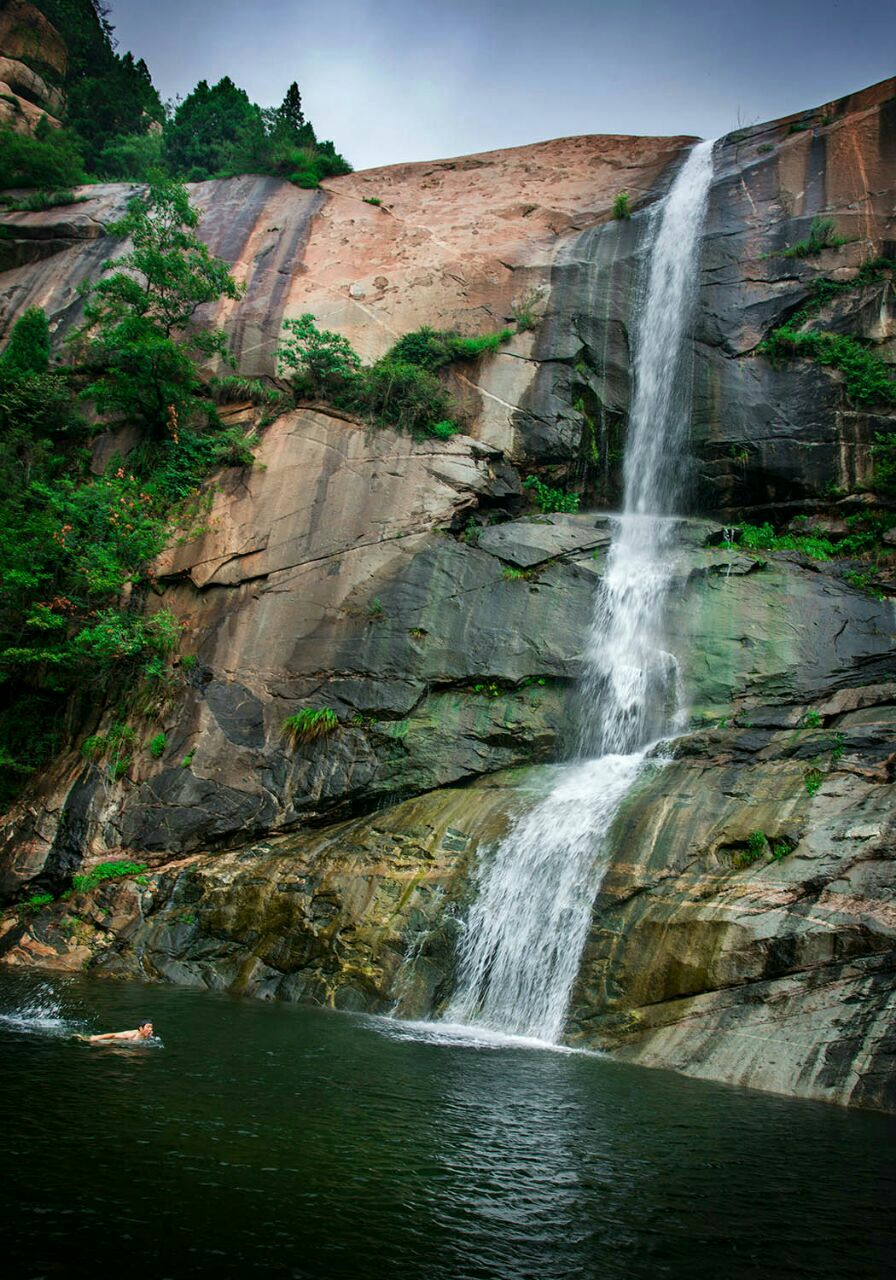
(311, 723)
(50, 158)
(75, 545)
(322, 363)
(549, 499)
(434, 348)
(217, 131)
(28, 350)
(622, 209)
(401, 389)
(115, 127)
(115, 870)
(138, 337)
(867, 378)
(822, 235)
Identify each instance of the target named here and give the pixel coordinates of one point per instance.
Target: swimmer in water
(143, 1032)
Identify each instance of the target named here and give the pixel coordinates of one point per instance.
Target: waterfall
(525, 932)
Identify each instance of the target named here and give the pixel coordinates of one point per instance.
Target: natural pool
(284, 1141)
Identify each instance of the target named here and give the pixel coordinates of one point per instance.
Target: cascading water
(526, 930)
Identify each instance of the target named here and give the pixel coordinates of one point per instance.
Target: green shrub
(140, 341)
(763, 538)
(443, 430)
(374, 200)
(434, 348)
(549, 499)
(321, 362)
(311, 723)
(157, 746)
(400, 390)
(622, 209)
(50, 158)
(28, 350)
(867, 379)
(525, 309)
(38, 201)
(36, 902)
(398, 394)
(813, 779)
(115, 870)
(822, 235)
(134, 157)
(188, 759)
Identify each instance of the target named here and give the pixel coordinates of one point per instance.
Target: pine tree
(290, 110)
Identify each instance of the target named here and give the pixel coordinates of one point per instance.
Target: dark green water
(273, 1140)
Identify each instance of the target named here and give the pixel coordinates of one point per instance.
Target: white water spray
(526, 930)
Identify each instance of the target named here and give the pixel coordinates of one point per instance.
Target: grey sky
(397, 80)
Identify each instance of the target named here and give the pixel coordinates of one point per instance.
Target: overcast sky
(394, 80)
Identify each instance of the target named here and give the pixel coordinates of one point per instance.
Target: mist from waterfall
(525, 932)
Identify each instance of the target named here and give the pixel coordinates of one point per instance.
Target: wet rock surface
(744, 927)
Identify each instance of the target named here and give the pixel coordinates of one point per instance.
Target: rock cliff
(744, 930)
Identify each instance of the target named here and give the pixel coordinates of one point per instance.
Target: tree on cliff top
(290, 111)
(140, 341)
(215, 132)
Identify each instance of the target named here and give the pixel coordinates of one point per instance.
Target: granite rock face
(744, 929)
(33, 61)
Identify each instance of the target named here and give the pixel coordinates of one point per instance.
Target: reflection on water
(279, 1141)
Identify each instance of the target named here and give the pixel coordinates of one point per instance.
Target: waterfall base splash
(525, 931)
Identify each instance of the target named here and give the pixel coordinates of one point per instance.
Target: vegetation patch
(401, 390)
(74, 546)
(38, 201)
(311, 723)
(822, 235)
(549, 499)
(116, 870)
(761, 846)
(812, 780)
(622, 209)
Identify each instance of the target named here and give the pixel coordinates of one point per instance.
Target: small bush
(867, 379)
(38, 201)
(525, 309)
(622, 209)
(443, 430)
(518, 575)
(549, 499)
(434, 348)
(323, 362)
(821, 236)
(812, 719)
(374, 200)
(188, 759)
(157, 746)
(813, 779)
(488, 689)
(763, 538)
(49, 158)
(397, 393)
(28, 350)
(311, 723)
(106, 871)
(37, 902)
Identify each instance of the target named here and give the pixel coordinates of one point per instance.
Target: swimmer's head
(145, 1028)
